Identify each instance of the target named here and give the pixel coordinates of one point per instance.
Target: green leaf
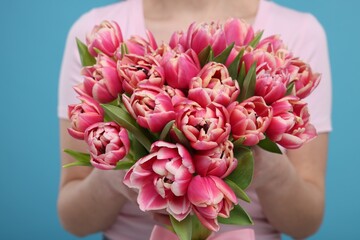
(256, 39)
(124, 49)
(200, 232)
(79, 156)
(98, 51)
(77, 163)
(181, 138)
(237, 190)
(86, 58)
(211, 56)
(137, 150)
(125, 120)
(239, 142)
(223, 56)
(241, 76)
(205, 55)
(82, 159)
(234, 65)
(116, 102)
(248, 87)
(120, 102)
(290, 88)
(183, 229)
(124, 164)
(243, 173)
(238, 216)
(269, 145)
(166, 130)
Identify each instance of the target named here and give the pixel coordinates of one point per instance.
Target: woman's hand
(94, 195)
(114, 180)
(291, 186)
(267, 167)
(89, 199)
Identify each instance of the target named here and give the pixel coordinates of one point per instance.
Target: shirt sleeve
(127, 14)
(71, 66)
(312, 47)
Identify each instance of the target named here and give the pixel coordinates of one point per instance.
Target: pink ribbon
(159, 233)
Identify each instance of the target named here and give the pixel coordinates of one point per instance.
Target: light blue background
(32, 37)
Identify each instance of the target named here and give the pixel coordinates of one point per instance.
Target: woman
(288, 190)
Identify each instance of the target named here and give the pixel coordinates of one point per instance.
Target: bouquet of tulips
(182, 117)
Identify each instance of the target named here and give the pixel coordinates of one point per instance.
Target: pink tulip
(178, 41)
(173, 92)
(302, 128)
(211, 197)
(105, 37)
(213, 84)
(137, 45)
(150, 106)
(101, 81)
(205, 128)
(274, 45)
(182, 104)
(235, 51)
(250, 119)
(306, 80)
(180, 68)
(160, 52)
(151, 40)
(83, 115)
(265, 62)
(162, 178)
(108, 144)
(135, 69)
(201, 35)
(238, 31)
(176, 96)
(218, 162)
(271, 87)
(290, 126)
(283, 119)
(140, 46)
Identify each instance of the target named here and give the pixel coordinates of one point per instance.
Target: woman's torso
(131, 222)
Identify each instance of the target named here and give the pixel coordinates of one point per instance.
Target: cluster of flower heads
(184, 82)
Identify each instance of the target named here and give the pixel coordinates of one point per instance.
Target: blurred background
(32, 38)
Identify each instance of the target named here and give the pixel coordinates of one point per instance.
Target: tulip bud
(238, 31)
(108, 144)
(83, 115)
(150, 106)
(250, 119)
(180, 68)
(218, 161)
(306, 80)
(205, 128)
(161, 177)
(211, 197)
(290, 126)
(105, 38)
(213, 84)
(101, 81)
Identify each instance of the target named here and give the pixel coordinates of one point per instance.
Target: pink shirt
(302, 33)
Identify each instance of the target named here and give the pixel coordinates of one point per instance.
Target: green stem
(199, 231)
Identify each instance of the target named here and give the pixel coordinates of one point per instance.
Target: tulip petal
(179, 207)
(76, 134)
(211, 224)
(149, 199)
(290, 141)
(224, 188)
